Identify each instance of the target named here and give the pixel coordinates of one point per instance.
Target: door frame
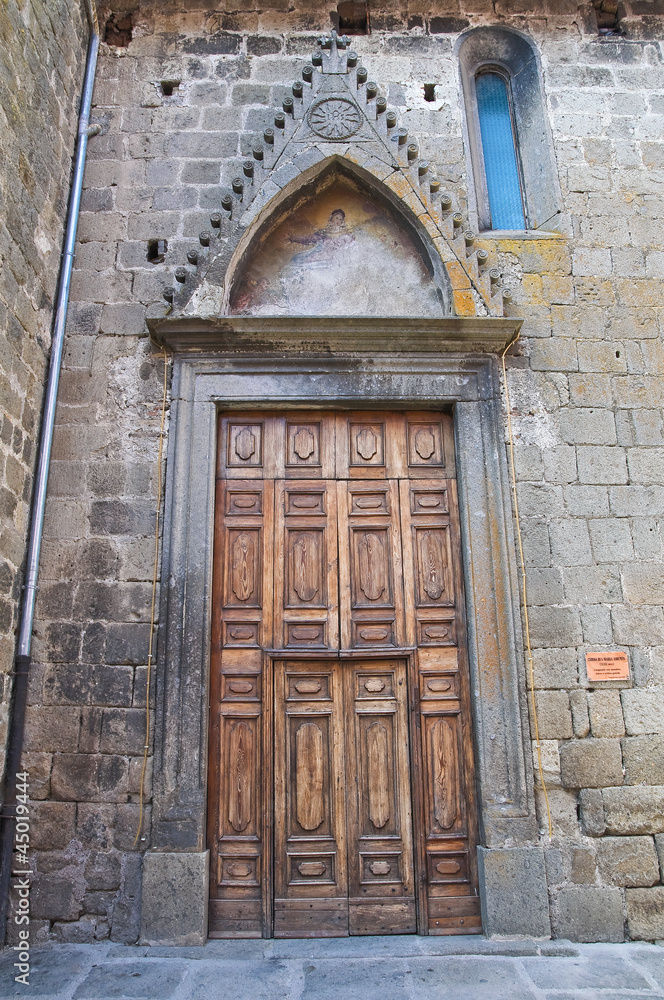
(388, 372)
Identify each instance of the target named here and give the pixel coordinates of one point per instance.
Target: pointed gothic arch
(265, 218)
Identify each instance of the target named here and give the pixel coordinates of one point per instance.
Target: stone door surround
(445, 363)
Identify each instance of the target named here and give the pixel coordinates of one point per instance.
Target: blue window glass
(502, 172)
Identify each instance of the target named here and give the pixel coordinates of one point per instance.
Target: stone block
(643, 709)
(123, 731)
(553, 716)
(39, 767)
(589, 914)
(583, 869)
(587, 501)
(634, 809)
(89, 778)
(627, 861)
(513, 891)
(555, 668)
(554, 627)
(126, 920)
(591, 763)
(102, 872)
(174, 899)
(600, 466)
(642, 626)
(583, 425)
(52, 825)
(643, 582)
(606, 718)
(54, 897)
(52, 729)
(596, 624)
(645, 913)
(95, 822)
(578, 701)
(643, 759)
(570, 543)
(611, 540)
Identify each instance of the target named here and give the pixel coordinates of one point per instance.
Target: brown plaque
(607, 666)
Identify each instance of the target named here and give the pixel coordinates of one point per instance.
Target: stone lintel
(344, 334)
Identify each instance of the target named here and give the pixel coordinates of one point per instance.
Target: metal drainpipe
(20, 691)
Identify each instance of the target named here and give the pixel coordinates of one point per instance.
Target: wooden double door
(341, 780)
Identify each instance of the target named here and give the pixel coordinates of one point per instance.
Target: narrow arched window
(513, 173)
(499, 152)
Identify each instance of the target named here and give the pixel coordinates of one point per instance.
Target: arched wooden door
(341, 789)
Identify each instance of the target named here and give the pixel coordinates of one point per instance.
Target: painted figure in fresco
(358, 263)
(325, 243)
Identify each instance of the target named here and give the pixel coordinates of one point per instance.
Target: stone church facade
(306, 331)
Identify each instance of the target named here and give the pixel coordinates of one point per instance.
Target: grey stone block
(175, 898)
(645, 913)
(591, 812)
(634, 809)
(513, 891)
(589, 914)
(627, 861)
(643, 759)
(126, 922)
(606, 718)
(591, 763)
(643, 710)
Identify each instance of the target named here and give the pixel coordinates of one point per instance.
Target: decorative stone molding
(336, 120)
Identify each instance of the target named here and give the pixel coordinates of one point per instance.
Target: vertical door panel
(380, 855)
(370, 573)
(310, 879)
(305, 583)
(242, 624)
(434, 614)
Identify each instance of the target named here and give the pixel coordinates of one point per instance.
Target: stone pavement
(394, 968)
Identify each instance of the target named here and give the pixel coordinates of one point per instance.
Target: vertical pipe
(20, 692)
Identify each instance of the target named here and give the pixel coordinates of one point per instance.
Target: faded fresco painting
(338, 255)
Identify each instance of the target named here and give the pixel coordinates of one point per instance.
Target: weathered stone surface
(643, 758)
(643, 710)
(589, 914)
(634, 810)
(591, 812)
(175, 897)
(627, 861)
(645, 913)
(606, 718)
(591, 763)
(514, 895)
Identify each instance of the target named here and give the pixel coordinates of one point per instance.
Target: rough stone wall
(43, 58)
(585, 383)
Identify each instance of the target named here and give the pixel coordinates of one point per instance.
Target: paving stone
(467, 979)
(52, 970)
(247, 980)
(132, 980)
(355, 980)
(651, 960)
(599, 972)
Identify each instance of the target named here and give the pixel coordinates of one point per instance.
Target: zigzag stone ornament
(336, 118)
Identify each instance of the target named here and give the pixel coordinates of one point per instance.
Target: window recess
(512, 171)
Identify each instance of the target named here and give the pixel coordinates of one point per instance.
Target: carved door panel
(242, 625)
(306, 598)
(434, 616)
(380, 850)
(370, 574)
(310, 870)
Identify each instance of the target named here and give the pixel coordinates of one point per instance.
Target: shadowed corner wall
(41, 73)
